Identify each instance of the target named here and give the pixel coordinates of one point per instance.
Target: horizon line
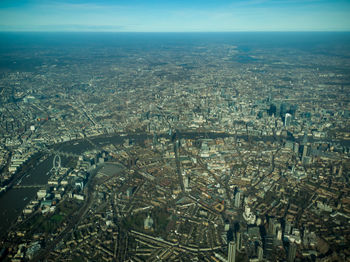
(234, 31)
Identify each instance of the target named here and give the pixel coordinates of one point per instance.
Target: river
(14, 200)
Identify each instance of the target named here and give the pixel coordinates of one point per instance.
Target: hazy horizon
(177, 32)
(175, 16)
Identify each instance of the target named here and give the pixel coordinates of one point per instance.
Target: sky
(175, 15)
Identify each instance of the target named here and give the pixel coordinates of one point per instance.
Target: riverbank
(13, 201)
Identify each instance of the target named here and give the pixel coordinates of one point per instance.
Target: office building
(238, 199)
(232, 251)
(291, 252)
(287, 119)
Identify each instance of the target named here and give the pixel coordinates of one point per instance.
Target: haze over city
(175, 16)
(175, 130)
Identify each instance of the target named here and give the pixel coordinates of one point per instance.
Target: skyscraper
(287, 119)
(272, 226)
(287, 228)
(239, 241)
(305, 151)
(296, 148)
(232, 251)
(260, 253)
(186, 181)
(292, 251)
(238, 199)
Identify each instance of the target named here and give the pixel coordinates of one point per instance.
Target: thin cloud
(79, 6)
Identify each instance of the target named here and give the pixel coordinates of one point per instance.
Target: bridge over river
(61, 153)
(28, 186)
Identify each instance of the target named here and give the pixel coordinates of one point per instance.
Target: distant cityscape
(174, 148)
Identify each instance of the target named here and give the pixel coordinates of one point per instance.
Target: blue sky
(175, 16)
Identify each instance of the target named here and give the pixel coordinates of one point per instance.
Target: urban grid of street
(200, 150)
